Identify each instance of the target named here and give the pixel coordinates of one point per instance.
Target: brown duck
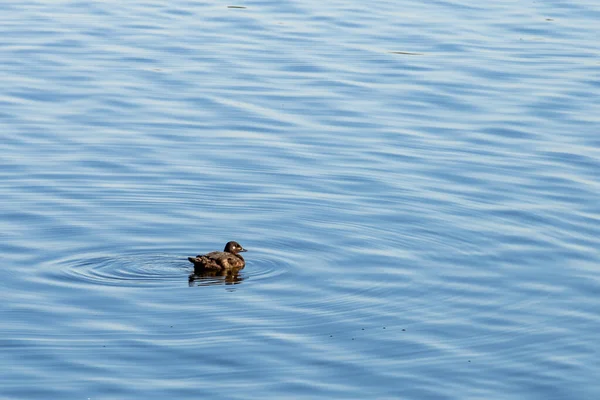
(228, 259)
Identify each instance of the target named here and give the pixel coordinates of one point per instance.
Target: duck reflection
(207, 278)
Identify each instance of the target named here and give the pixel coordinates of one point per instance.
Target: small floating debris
(236, 7)
(549, 19)
(406, 53)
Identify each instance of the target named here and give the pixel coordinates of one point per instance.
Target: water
(417, 185)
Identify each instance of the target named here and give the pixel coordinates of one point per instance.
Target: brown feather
(219, 260)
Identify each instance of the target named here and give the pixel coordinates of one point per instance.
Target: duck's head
(234, 247)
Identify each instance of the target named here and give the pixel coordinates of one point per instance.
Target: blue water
(417, 184)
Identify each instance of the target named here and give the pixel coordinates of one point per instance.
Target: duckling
(228, 259)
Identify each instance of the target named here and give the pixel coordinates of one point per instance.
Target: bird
(228, 259)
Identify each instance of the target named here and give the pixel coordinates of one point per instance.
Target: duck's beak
(243, 250)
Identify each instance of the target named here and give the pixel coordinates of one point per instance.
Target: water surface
(417, 185)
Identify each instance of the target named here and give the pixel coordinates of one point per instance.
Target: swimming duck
(227, 259)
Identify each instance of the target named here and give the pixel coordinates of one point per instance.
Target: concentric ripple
(123, 270)
(151, 269)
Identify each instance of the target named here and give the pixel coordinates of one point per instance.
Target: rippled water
(417, 185)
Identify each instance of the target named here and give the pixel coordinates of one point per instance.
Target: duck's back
(217, 260)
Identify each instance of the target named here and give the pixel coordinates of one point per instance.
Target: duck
(228, 259)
